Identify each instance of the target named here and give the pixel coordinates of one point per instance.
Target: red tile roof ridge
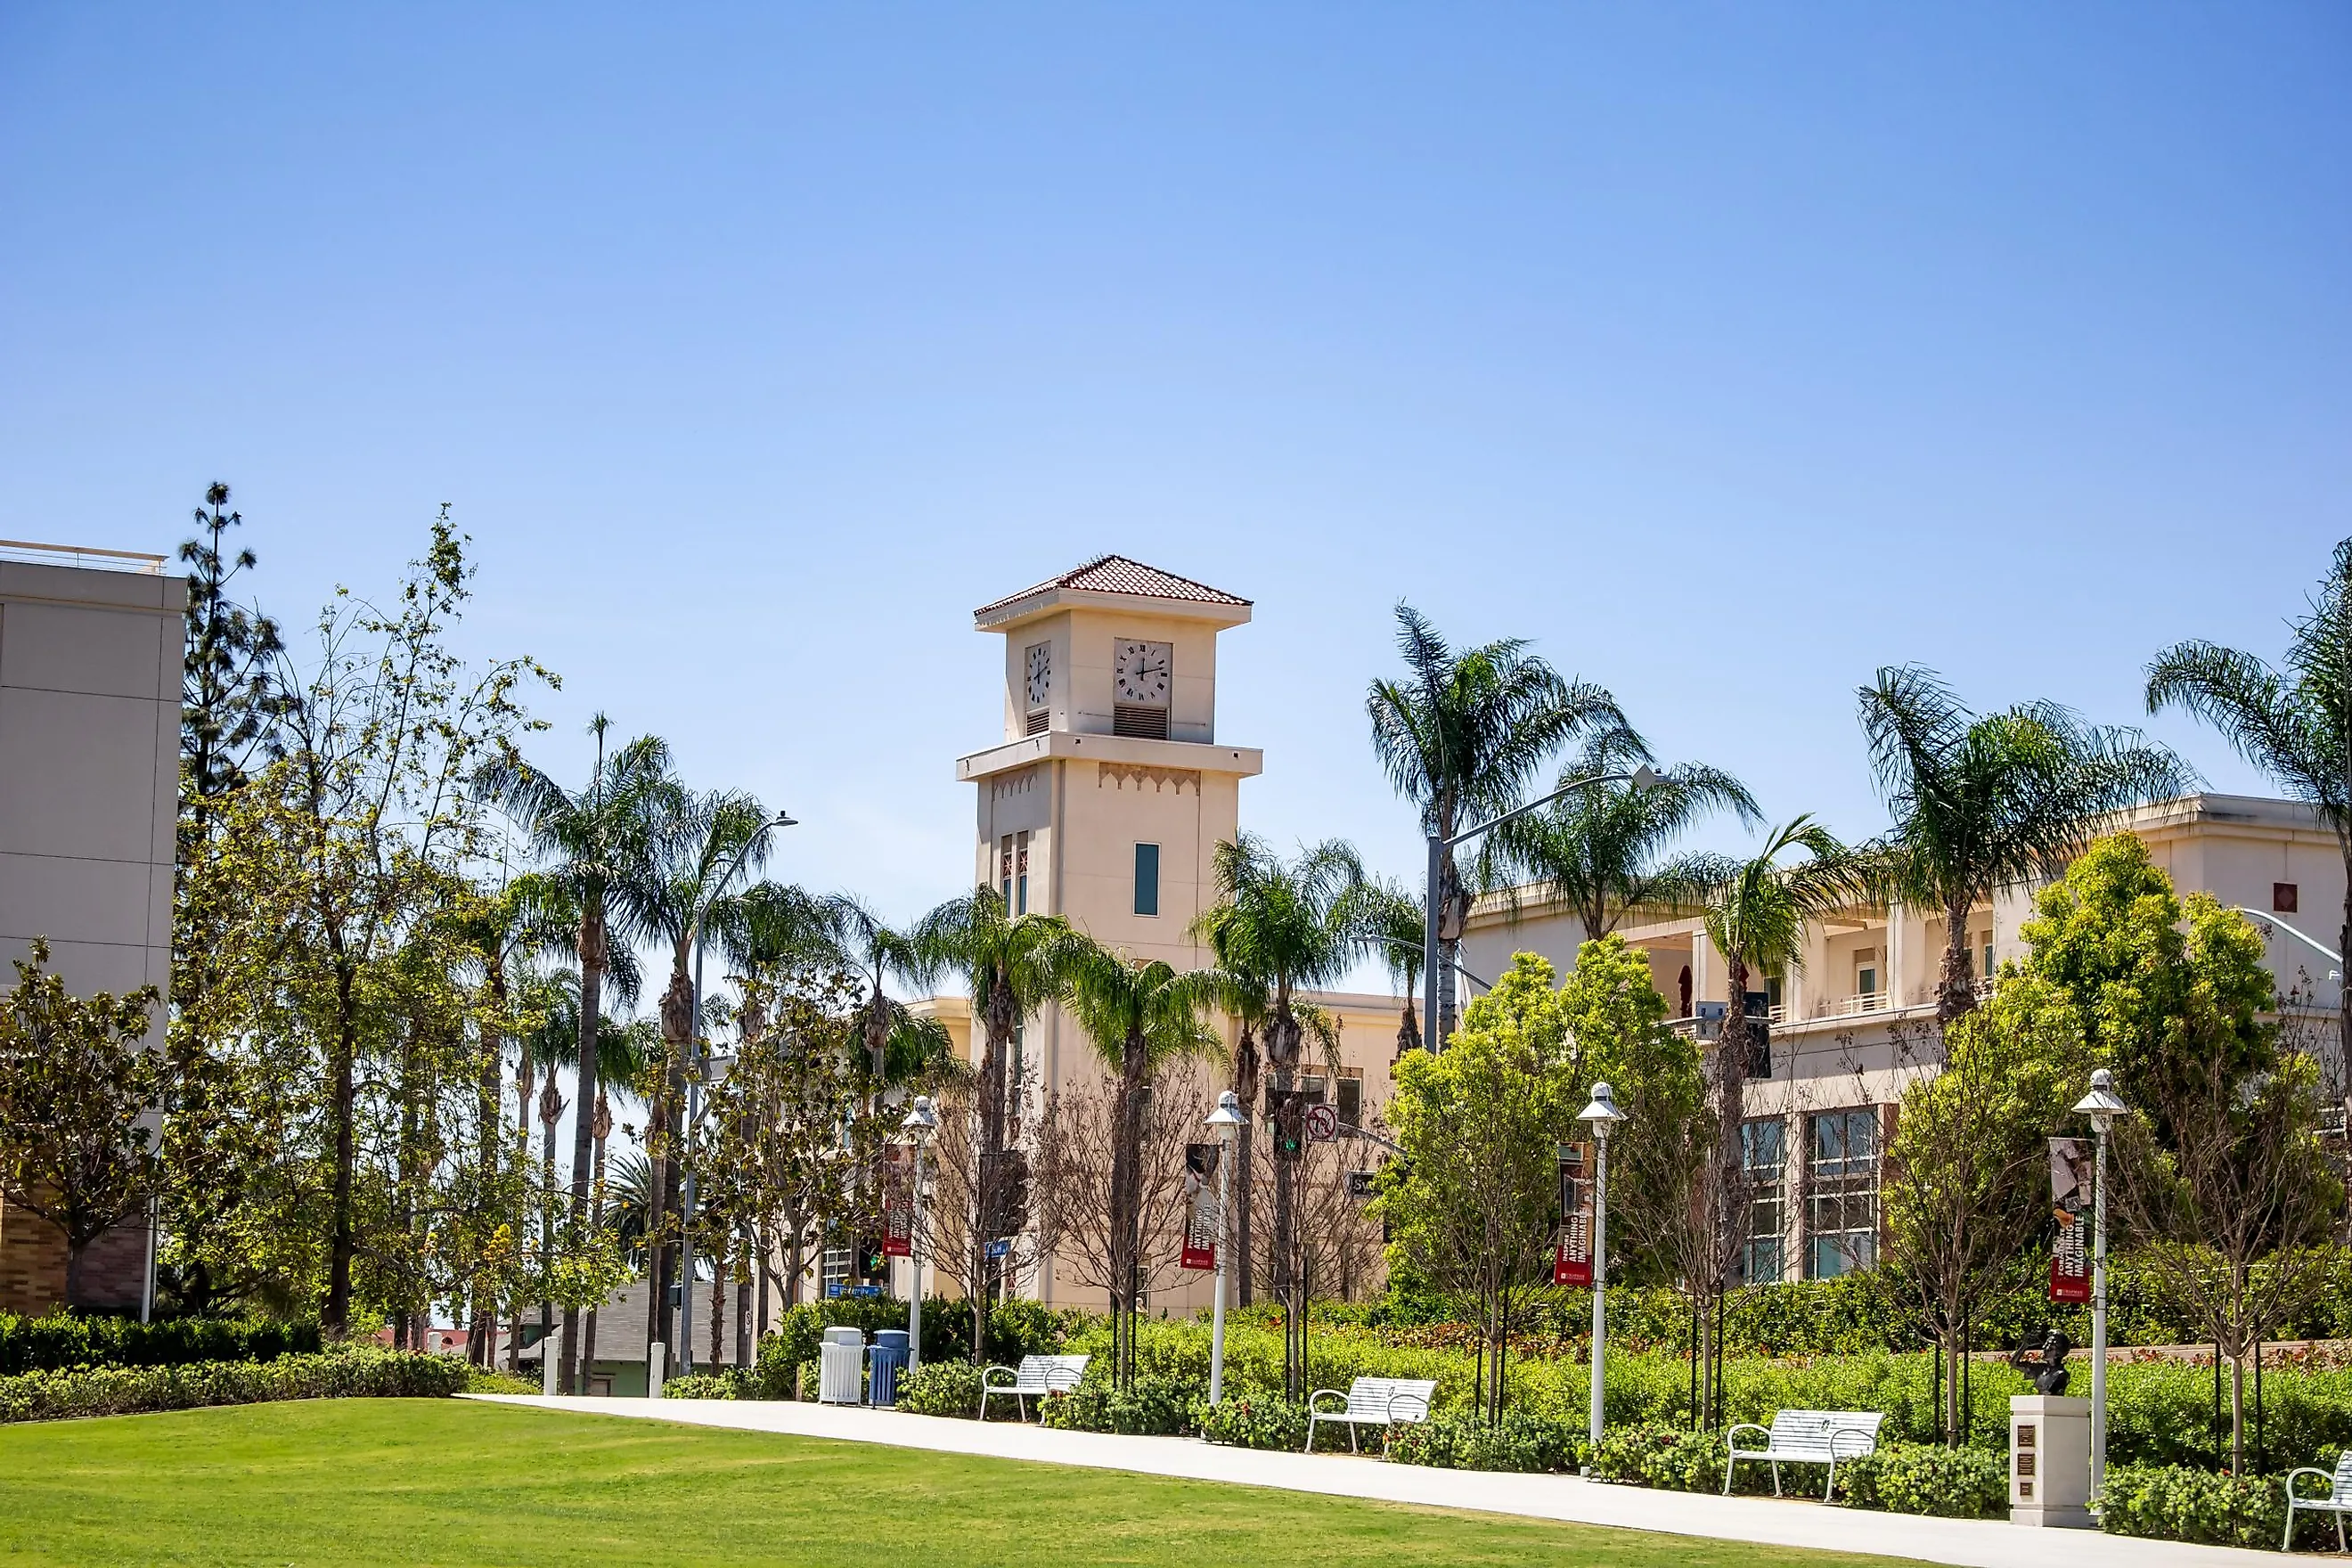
(1111, 574)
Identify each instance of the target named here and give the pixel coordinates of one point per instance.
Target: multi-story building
(89, 749)
(1853, 1024)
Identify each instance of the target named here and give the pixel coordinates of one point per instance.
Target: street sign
(1359, 1183)
(1001, 1247)
(1322, 1123)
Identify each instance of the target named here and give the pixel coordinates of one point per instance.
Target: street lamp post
(1603, 1115)
(921, 1123)
(2102, 1105)
(1642, 777)
(1225, 1121)
(694, 1100)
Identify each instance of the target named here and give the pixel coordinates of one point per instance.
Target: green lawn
(426, 1481)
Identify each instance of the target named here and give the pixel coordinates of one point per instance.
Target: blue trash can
(885, 1360)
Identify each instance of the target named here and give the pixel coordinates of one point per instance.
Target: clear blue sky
(1729, 352)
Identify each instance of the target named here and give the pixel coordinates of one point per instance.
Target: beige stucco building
(89, 750)
(1853, 1024)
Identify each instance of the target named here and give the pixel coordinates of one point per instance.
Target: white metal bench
(1038, 1374)
(2338, 1500)
(1370, 1402)
(1805, 1437)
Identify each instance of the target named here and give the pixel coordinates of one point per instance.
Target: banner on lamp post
(1202, 1215)
(1571, 1259)
(2070, 1204)
(897, 1202)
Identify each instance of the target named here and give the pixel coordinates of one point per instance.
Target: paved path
(1972, 1544)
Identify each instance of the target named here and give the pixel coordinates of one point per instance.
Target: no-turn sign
(1322, 1123)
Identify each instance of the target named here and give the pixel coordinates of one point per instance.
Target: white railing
(1862, 1002)
(85, 555)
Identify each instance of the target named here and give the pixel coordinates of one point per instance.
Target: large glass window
(1764, 1157)
(835, 1270)
(1842, 1193)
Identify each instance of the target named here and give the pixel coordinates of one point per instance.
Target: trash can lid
(845, 1337)
(891, 1338)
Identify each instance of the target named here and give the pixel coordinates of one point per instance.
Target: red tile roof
(1117, 575)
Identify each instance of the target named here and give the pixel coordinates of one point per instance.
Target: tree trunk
(2344, 946)
(343, 1242)
(1452, 907)
(591, 1002)
(2238, 1410)
(482, 1323)
(588, 1329)
(1957, 994)
(550, 1111)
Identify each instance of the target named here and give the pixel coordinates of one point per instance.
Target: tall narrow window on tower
(1147, 878)
(1143, 673)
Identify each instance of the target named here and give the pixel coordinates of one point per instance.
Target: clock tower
(1110, 790)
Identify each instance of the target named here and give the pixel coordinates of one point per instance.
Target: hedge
(333, 1375)
(63, 1340)
(2173, 1502)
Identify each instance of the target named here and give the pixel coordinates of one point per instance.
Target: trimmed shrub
(1155, 1406)
(1463, 1441)
(485, 1380)
(2173, 1502)
(1667, 1457)
(1927, 1478)
(333, 1375)
(727, 1384)
(1255, 1421)
(62, 1340)
(2162, 1413)
(943, 1388)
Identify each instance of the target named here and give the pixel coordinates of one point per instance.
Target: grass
(427, 1481)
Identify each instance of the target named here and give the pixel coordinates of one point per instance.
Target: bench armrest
(1062, 1379)
(2328, 1476)
(1318, 1394)
(1730, 1438)
(1846, 1443)
(988, 1372)
(1408, 1407)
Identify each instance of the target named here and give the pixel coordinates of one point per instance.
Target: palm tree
(1983, 803)
(1277, 927)
(1461, 736)
(1141, 1015)
(701, 845)
(1386, 924)
(1602, 850)
(879, 953)
(590, 842)
(2294, 722)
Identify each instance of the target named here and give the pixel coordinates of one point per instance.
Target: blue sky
(1729, 352)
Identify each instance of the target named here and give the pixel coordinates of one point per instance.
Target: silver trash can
(841, 1367)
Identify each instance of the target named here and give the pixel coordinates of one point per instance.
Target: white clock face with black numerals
(1143, 672)
(1041, 673)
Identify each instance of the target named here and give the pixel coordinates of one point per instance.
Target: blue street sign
(1000, 1248)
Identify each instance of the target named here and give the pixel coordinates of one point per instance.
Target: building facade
(89, 757)
(1853, 1024)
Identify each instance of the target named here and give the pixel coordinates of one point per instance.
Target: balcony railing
(1859, 1002)
(86, 555)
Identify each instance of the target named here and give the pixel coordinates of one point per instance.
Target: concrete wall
(90, 746)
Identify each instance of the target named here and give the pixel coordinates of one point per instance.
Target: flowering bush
(333, 1375)
(2173, 1502)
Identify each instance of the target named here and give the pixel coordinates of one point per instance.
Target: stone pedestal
(2050, 1461)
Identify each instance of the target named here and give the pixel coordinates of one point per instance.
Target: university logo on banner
(2070, 1204)
(1202, 1218)
(897, 1202)
(1571, 1258)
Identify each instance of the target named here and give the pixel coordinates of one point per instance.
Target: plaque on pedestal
(2050, 1461)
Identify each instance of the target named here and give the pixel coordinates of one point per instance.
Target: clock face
(1041, 673)
(1143, 672)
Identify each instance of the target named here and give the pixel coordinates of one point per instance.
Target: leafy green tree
(2294, 722)
(1140, 1016)
(1277, 927)
(1462, 736)
(229, 698)
(76, 1086)
(1602, 850)
(592, 843)
(1474, 1203)
(1986, 802)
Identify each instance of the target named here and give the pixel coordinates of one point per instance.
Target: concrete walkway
(1972, 1544)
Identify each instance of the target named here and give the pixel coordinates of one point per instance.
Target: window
(1019, 899)
(1147, 878)
(1986, 942)
(1313, 1088)
(1351, 1100)
(1866, 979)
(2283, 898)
(1014, 1089)
(834, 1270)
(1842, 1196)
(1004, 869)
(1764, 1158)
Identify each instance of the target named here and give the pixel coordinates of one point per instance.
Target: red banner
(2070, 1200)
(1201, 1224)
(897, 1204)
(1571, 1259)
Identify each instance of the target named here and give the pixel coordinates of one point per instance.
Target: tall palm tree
(1986, 802)
(1277, 927)
(2293, 722)
(1007, 964)
(1139, 1016)
(1461, 736)
(1605, 850)
(880, 953)
(1385, 922)
(589, 842)
(703, 847)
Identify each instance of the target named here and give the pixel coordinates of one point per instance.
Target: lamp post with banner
(1225, 1121)
(921, 1123)
(2102, 1105)
(1604, 1116)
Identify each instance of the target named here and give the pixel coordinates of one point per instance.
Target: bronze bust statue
(2046, 1363)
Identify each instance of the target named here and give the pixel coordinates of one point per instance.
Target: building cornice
(1237, 762)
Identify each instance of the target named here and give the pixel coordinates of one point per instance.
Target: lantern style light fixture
(1602, 1116)
(1226, 1121)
